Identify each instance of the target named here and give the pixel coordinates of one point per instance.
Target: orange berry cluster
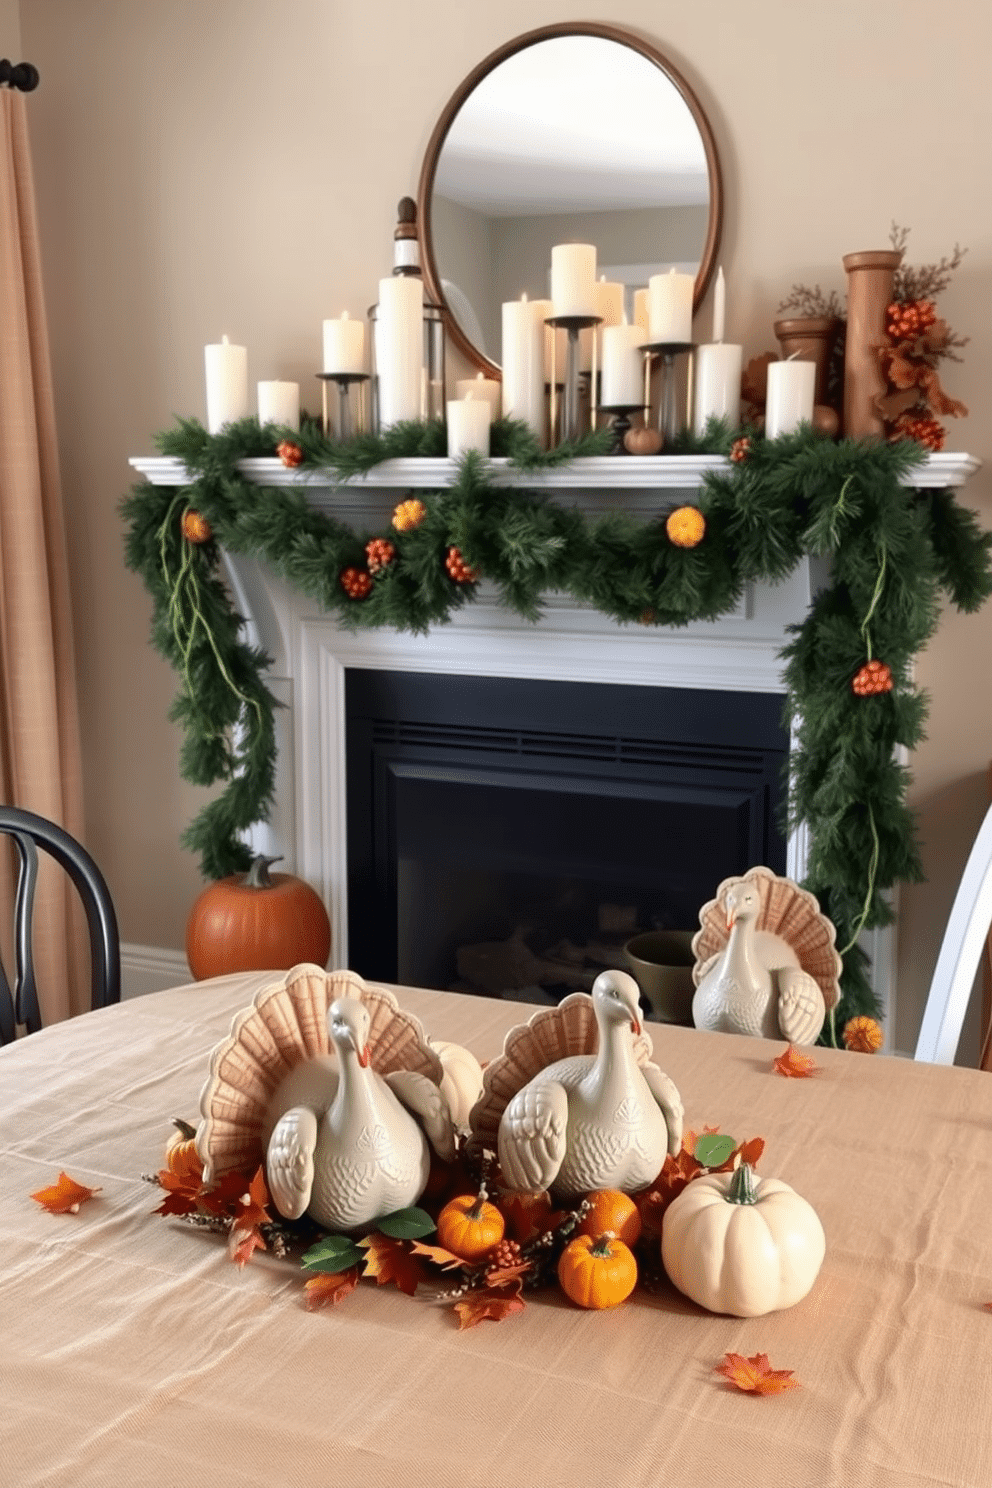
(923, 428)
(740, 449)
(873, 678)
(862, 1035)
(196, 529)
(356, 582)
(685, 526)
(379, 553)
(905, 321)
(458, 569)
(409, 514)
(289, 453)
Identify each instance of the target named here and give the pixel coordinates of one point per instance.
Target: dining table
(136, 1352)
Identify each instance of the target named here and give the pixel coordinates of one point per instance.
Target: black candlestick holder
(347, 423)
(670, 421)
(620, 422)
(571, 422)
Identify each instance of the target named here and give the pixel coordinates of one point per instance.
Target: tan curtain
(40, 763)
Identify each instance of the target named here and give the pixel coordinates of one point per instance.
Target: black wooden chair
(31, 832)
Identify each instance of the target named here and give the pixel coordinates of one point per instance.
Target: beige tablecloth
(135, 1353)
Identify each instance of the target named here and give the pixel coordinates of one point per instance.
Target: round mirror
(572, 133)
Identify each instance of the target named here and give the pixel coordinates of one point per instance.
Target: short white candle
(523, 363)
(226, 369)
(670, 307)
(481, 387)
(719, 306)
(718, 385)
(344, 346)
(622, 366)
(573, 279)
(468, 426)
(789, 402)
(279, 403)
(399, 348)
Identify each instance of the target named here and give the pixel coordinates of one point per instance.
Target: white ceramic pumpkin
(741, 1244)
(462, 1082)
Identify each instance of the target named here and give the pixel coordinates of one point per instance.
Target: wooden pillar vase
(809, 338)
(869, 293)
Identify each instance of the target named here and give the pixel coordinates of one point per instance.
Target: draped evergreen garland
(893, 552)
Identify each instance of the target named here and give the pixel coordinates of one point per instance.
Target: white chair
(960, 953)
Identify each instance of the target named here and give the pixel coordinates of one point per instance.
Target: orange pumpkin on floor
(256, 921)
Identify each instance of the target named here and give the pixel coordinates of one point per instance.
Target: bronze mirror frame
(432, 278)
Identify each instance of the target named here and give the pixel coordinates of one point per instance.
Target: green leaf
(713, 1149)
(406, 1224)
(332, 1254)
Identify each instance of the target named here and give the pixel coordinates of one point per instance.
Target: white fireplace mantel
(311, 650)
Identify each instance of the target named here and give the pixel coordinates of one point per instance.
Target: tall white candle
(719, 306)
(718, 385)
(481, 387)
(622, 366)
(523, 362)
(399, 348)
(468, 426)
(573, 279)
(226, 368)
(279, 403)
(344, 345)
(670, 307)
(555, 342)
(789, 402)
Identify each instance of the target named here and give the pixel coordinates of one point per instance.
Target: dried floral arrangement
(812, 303)
(918, 341)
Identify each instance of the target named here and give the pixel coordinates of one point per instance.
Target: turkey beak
(364, 1056)
(731, 917)
(635, 1024)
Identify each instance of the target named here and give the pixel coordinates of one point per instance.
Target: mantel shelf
(609, 472)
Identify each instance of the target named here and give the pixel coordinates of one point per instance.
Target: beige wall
(10, 31)
(234, 167)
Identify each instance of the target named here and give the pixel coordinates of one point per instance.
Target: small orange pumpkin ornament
(597, 1273)
(642, 441)
(256, 921)
(614, 1211)
(685, 526)
(181, 1156)
(469, 1226)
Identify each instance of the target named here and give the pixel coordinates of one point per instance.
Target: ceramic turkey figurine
(344, 1138)
(574, 1104)
(766, 964)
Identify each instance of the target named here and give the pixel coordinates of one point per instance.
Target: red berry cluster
(458, 569)
(740, 449)
(873, 678)
(356, 582)
(289, 453)
(923, 428)
(379, 553)
(905, 321)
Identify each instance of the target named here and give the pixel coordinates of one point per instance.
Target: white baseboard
(151, 969)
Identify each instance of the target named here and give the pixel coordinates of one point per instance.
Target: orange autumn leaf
(243, 1241)
(438, 1255)
(795, 1064)
(239, 1198)
(756, 1375)
(503, 1278)
(987, 1306)
(481, 1305)
(391, 1260)
(64, 1196)
(528, 1214)
(327, 1289)
(749, 1152)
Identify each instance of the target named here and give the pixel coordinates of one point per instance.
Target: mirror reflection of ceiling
(570, 139)
(573, 124)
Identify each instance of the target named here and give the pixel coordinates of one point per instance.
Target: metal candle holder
(571, 417)
(619, 423)
(347, 424)
(670, 421)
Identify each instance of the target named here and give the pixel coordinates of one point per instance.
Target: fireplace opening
(505, 837)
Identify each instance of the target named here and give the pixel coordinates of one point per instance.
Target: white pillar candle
(719, 306)
(622, 366)
(226, 369)
(609, 301)
(399, 348)
(790, 396)
(468, 426)
(344, 345)
(523, 362)
(670, 307)
(573, 279)
(641, 316)
(279, 403)
(556, 339)
(718, 385)
(481, 387)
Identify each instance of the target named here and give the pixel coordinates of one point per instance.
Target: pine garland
(893, 553)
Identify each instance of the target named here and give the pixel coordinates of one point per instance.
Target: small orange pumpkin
(642, 441)
(597, 1273)
(469, 1226)
(614, 1211)
(181, 1156)
(256, 921)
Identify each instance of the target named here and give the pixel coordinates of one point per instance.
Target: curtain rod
(18, 75)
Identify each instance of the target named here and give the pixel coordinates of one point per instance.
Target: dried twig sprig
(804, 301)
(928, 280)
